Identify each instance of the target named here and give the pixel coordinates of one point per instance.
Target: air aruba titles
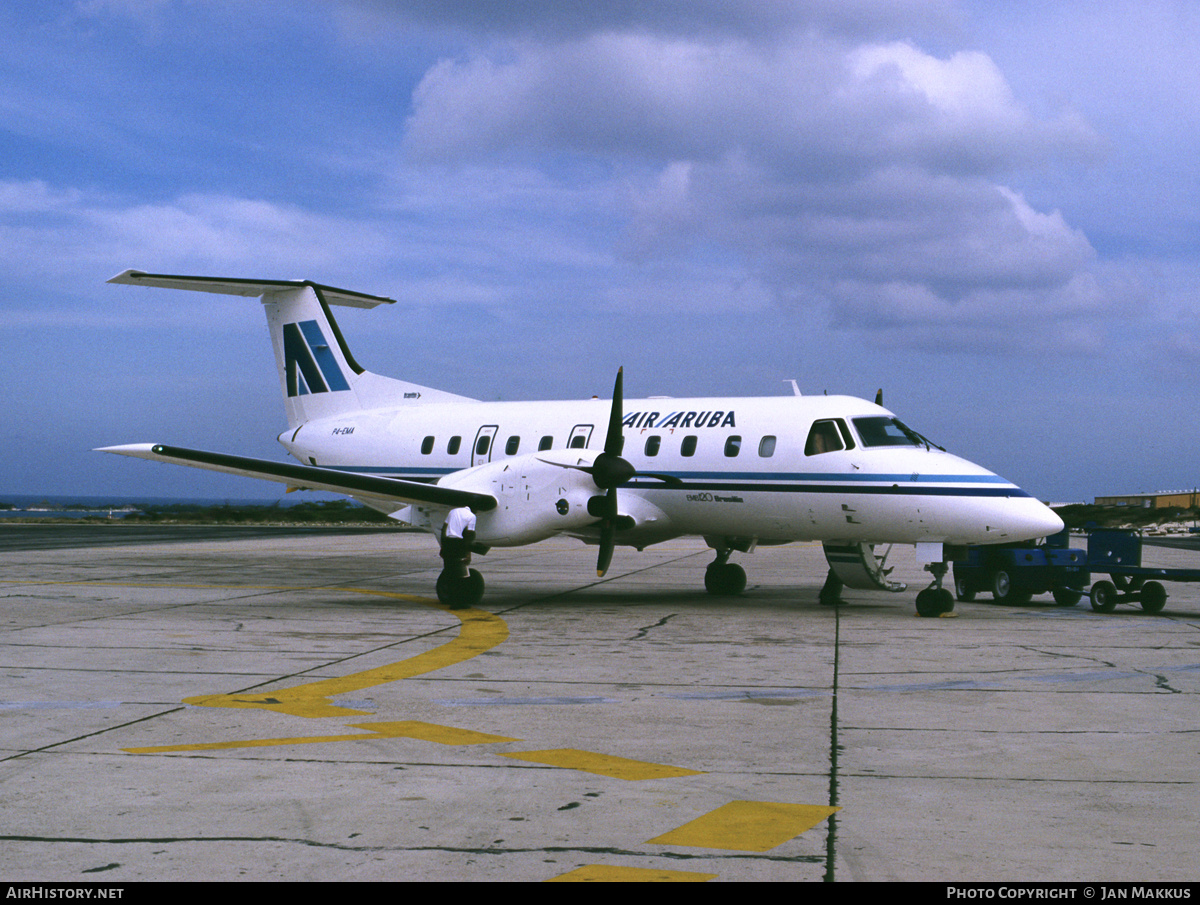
(679, 419)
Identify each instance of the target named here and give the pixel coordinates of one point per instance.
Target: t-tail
(318, 376)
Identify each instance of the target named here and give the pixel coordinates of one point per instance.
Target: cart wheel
(1153, 597)
(1104, 597)
(1067, 596)
(1003, 591)
(963, 590)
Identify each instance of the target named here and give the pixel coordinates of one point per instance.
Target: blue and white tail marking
(309, 365)
(318, 376)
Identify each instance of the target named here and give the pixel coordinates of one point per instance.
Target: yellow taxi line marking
(603, 873)
(428, 732)
(601, 764)
(480, 631)
(747, 826)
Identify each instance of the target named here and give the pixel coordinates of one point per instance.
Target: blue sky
(990, 210)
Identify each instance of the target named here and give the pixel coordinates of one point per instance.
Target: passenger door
(481, 452)
(581, 435)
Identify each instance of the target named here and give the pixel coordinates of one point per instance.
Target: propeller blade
(613, 440)
(607, 545)
(608, 533)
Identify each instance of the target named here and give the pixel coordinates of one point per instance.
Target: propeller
(610, 471)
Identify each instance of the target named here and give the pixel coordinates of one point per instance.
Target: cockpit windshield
(881, 430)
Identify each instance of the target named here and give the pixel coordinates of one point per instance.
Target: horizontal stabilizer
(311, 477)
(250, 288)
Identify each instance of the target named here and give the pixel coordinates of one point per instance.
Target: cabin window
(689, 446)
(481, 448)
(578, 442)
(733, 446)
(545, 443)
(879, 430)
(653, 445)
(427, 446)
(824, 437)
(511, 447)
(454, 445)
(766, 447)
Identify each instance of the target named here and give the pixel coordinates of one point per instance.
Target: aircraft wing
(310, 477)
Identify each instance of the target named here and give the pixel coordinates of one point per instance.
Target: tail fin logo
(309, 363)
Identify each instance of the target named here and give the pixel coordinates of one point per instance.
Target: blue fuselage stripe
(782, 482)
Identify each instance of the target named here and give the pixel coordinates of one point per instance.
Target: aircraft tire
(727, 580)
(934, 602)
(460, 593)
(473, 588)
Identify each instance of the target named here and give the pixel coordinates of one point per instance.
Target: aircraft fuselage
(774, 469)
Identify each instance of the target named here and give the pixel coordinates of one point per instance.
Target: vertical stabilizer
(318, 376)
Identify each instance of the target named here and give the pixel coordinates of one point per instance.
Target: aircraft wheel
(947, 600)
(1153, 597)
(934, 602)
(460, 593)
(1104, 597)
(726, 580)
(444, 590)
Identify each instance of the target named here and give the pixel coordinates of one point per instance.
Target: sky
(991, 211)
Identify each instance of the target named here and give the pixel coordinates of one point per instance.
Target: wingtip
(142, 450)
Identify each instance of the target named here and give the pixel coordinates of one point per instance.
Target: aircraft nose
(1034, 519)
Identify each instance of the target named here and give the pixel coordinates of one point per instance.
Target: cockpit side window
(824, 437)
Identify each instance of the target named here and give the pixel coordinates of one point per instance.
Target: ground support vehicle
(1013, 573)
(1118, 551)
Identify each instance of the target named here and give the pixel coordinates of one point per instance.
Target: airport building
(1182, 499)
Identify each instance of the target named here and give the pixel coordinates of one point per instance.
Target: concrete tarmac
(297, 707)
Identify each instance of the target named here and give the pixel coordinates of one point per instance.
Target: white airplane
(739, 472)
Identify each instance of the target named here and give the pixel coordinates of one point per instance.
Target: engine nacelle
(538, 496)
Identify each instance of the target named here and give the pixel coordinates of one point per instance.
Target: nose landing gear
(935, 600)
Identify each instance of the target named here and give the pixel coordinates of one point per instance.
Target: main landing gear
(460, 592)
(935, 600)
